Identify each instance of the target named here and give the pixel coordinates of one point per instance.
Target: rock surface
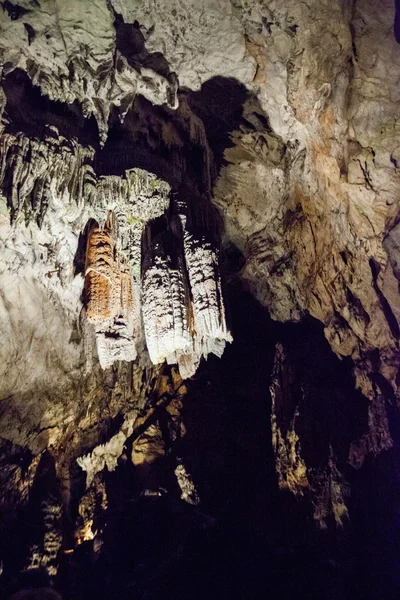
(124, 126)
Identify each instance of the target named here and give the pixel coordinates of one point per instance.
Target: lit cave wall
(199, 299)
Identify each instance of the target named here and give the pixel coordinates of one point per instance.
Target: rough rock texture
(46, 346)
(107, 454)
(311, 209)
(165, 311)
(332, 106)
(31, 168)
(108, 297)
(188, 41)
(183, 307)
(78, 58)
(285, 116)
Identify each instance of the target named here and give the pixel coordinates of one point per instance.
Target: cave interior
(199, 300)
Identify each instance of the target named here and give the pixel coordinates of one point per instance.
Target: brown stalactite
(99, 273)
(134, 138)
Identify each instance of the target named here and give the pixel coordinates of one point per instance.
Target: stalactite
(164, 307)
(139, 196)
(330, 493)
(32, 169)
(179, 286)
(183, 309)
(99, 272)
(135, 200)
(108, 297)
(201, 257)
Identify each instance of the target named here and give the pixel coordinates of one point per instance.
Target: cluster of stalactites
(182, 308)
(139, 195)
(176, 298)
(32, 171)
(182, 302)
(166, 305)
(135, 200)
(109, 297)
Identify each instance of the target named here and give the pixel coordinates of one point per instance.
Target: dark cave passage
(247, 539)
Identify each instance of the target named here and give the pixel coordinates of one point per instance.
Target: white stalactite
(183, 309)
(178, 302)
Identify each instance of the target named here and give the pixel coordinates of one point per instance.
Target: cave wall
(164, 129)
(315, 143)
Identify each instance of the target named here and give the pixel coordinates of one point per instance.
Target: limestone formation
(50, 47)
(314, 225)
(165, 306)
(209, 320)
(33, 170)
(188, 489)
(183, 306)
(107, 454)
(109, 300)
(134, 138)
(337, 146)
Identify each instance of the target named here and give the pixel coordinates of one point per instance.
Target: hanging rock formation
(183, 308)
(33, 170)
(202, 263)
(166, 304)
(109, 301)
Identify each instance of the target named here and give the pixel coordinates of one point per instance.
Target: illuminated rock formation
(189, 492)
(183, 311)
(33, 172)
(183, 308)
(285, 116)
(202, 263)
(165, 303)
(107, 455)
(108, 293)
